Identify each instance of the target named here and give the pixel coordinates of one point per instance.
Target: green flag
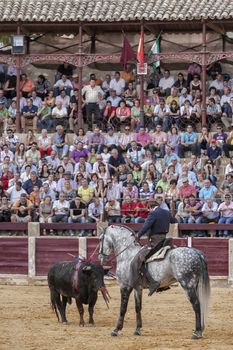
(155, 49)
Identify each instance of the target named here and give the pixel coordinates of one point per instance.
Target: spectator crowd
(115, 167)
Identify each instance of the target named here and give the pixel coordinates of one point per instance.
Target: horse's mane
(125, 227)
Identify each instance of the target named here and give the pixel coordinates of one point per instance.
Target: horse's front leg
(125, 293)
(138, 308)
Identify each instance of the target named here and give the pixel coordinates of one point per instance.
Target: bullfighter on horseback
(156, 227)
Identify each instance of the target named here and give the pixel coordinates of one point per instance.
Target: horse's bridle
(115, 256)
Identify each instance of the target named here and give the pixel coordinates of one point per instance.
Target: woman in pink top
(123, 112)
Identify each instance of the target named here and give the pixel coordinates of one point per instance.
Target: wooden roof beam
(218, 28)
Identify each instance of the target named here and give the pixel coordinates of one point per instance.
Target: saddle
(160, 250)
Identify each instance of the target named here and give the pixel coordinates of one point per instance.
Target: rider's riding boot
(153, 285)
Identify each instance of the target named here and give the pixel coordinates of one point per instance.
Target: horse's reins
(115, 255)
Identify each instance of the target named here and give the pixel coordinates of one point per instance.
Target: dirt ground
(28, 323)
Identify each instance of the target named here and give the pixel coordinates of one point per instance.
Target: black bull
(80, 281)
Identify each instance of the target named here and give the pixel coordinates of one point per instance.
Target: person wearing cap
(184, 96)
(214, 153)
(22, 208)
(186, 190)
(226, 214)
(156, 228)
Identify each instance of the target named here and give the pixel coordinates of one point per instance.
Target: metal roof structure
(114, 10)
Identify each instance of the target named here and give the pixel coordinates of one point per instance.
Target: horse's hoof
(91, 324)
(196, 335)
(137, 332)
(81, 324)
(65, 323)
(114, 333)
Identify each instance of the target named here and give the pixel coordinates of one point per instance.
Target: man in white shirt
(60, 115)
(117, 84)
(227, 94)
(63, 99)
(44, 143)
(218, 84)
(61, 209)
(166, 83)
(14, 192)
(209, 212)
(135, 154)
(63, 84)
(161, 114)
(111, 138)
(92, 94)
(226, 212)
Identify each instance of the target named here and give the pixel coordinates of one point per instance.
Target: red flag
(127, 53)
(140, 52)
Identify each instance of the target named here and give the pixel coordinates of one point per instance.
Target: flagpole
(142, 84)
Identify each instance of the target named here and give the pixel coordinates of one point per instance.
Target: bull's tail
(53, 296)
(203, 292)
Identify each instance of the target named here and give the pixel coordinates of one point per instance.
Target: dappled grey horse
(185, 265)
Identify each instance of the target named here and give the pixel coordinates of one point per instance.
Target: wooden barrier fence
(33, 255)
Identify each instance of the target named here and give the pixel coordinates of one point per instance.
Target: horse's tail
(203, 291)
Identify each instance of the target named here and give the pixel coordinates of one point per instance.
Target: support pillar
(142, 85)
(230, 262)
(80, 71)
(203, 76)
(82, 248)
(18, 123)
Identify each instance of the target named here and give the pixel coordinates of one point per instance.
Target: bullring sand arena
(28, 323)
